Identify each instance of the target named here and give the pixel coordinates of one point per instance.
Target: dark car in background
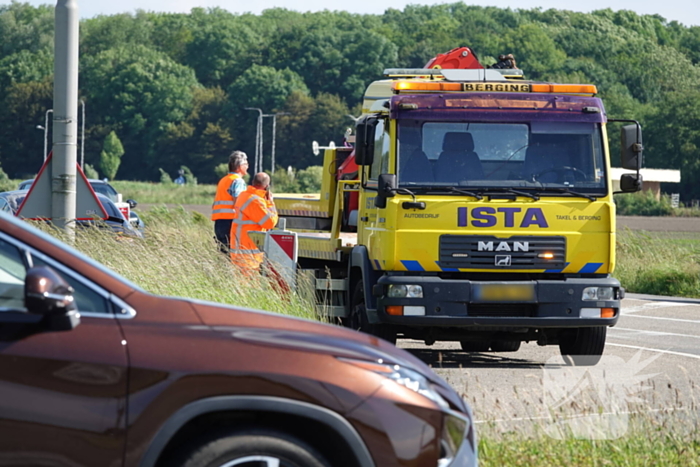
(98, 372)
(98, 186)
(10, 201)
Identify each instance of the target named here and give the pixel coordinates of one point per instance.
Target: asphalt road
(651, 365)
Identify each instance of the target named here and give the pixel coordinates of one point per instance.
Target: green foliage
(642, 203)
(303, 181)
(175, 86)
(165, 178)
(111, 155)
(90, 172)
(221, 170)
(163, 193)
(6, 184)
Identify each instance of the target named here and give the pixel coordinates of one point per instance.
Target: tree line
(175, 87)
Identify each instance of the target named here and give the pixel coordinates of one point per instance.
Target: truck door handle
(364, 218)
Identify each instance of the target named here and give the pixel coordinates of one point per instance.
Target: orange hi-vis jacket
(223, 201)
(253, 212)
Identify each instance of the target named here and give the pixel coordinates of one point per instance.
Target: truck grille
(490, 252)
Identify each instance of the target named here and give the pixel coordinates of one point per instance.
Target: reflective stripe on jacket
(253, 212)
(223, 207)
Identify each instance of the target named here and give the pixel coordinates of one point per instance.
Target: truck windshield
(537, 155)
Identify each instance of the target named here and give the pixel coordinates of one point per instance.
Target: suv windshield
(538, 155)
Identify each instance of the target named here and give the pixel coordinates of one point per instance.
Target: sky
(686, 12)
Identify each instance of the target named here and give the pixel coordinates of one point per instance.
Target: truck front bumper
(465, 303)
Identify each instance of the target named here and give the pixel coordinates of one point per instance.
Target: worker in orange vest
(255, 211)
(228, 189)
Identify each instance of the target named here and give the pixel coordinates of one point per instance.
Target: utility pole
(258, 141)
(65, 100)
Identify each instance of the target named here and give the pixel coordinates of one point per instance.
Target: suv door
(62, 393)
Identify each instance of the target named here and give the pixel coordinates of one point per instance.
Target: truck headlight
(598, 293)
(405, 291)
(405, 377)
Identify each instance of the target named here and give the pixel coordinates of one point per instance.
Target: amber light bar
(422, 86)
(495, 87)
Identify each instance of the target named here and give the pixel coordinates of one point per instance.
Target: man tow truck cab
(475, 207)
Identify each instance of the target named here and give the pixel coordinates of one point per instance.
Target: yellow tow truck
(475, 206)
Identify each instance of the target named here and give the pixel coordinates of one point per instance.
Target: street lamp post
(258, 140)
(46, 132)
(82, 138)
(274, 137)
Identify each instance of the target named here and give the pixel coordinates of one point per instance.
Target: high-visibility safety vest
(223, 207)
(253, 212)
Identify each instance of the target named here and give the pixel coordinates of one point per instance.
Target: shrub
(221, 170)
(164, 177)
(5, 183)
(643, 203)
(90, 172)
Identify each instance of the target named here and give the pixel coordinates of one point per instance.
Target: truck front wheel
(358, 317)
(583, 346)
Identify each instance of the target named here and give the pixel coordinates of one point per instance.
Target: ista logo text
(510, 217)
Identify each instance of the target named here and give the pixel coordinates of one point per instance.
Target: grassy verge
(158, 193)
(179, 257)
(659, 263)
(640, 447)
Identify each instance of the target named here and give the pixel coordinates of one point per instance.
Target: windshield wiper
(510, 191)
(464, 192)
(571, 192)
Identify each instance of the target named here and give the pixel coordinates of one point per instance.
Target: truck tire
(474, 346)
(584, 346)
(505, 346)
(249, 447)
(358, 317)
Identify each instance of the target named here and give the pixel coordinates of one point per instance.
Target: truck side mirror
(631, 147)
(629, 183)
(364, 140)
(386, 188)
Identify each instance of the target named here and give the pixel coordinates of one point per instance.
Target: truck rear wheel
(584, 346)
(358, 317)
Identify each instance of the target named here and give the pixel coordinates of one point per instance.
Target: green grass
(179, 257)
(638, 448)
(659, 263)
(158, 193)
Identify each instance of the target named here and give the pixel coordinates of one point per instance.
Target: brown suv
(95, 371)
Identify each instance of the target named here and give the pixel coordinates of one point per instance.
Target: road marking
(652, 305)
(656, 333)
(671, 352)
(666, 319)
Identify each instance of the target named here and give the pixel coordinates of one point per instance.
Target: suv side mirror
(629, 183)
(386, 189)
(364, 140)
(132, 203)
(631, 147)
(47, 293)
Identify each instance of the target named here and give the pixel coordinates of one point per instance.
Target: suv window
(13, 272)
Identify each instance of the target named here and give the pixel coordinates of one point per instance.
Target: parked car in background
(96, 371)
(10, 201)
(104, 188)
